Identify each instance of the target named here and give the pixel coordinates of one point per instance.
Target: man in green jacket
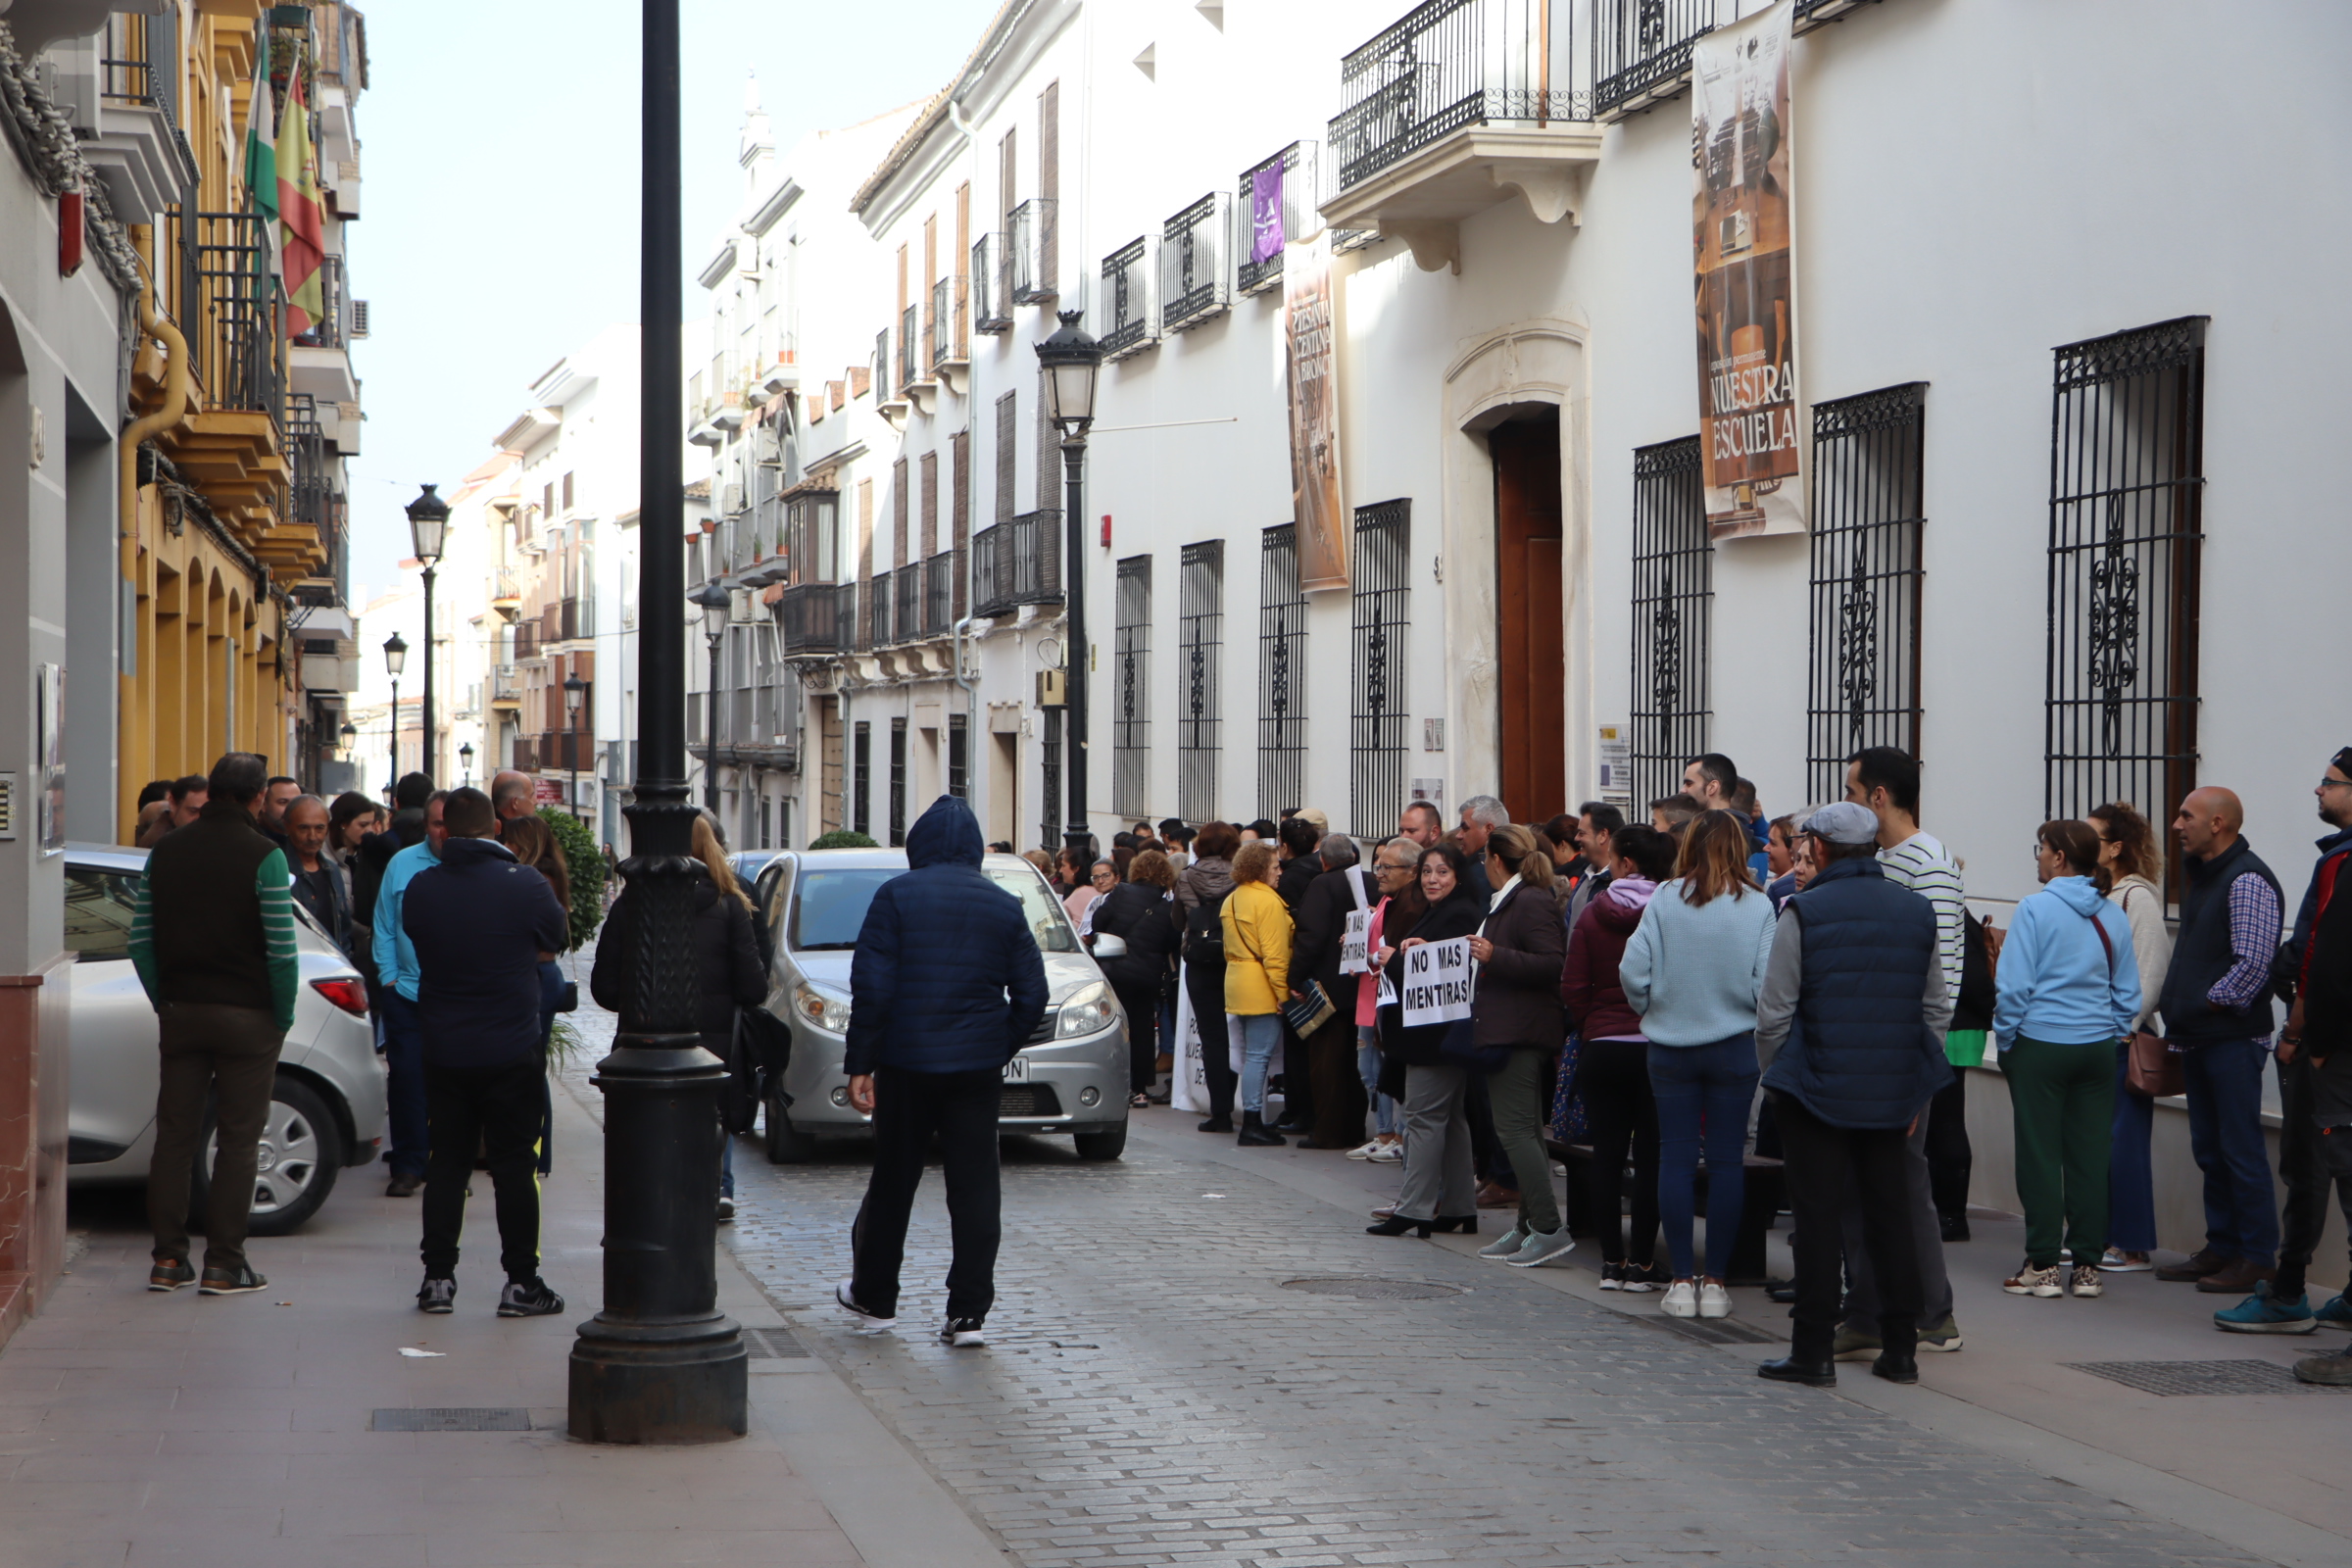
(213, 940)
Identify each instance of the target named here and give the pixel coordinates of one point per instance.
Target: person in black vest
(478, 920)
(2217, 1012)
(1850, 1026)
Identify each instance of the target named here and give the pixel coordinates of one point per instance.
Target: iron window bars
(1017, 561)
(1382, 706)
(861, 780)
(950, 338)
(1130, 322)
(898, 782)
(1280, 673)
(2127, 491)
(1297, 163)
(1131, 650)
(960, 755)
(1641, 48)
(1195, 263)
(912, 367)
(882, 380)
(1862, 669)
(1049, 780)
(907, 603)
(992, 285)
(1028, 239)
(1674, 604)
(1199, 642)
(1453, 63)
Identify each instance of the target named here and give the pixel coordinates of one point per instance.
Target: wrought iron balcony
(1195, 263)
(907, 603)
(812, 615)
(505, 588)
(883, 382)
(951, 334)
(939, 592)
(1128, 323)
(231, 314)
(992, 285)
(1017, 561)
(1029, 246)
(912, 367)
(1454, 107)
(1641, 48)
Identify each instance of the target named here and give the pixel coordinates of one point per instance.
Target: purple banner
(1265, 214)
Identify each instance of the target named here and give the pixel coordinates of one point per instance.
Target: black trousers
(1613, 1077)
(1950, 1159)
(959, 1108)
(1297, 1080)
(1822, 1165)
(497, 1110)
(1206, 988)
(227, 1055)
(2303, 1167)
(1143, 1036)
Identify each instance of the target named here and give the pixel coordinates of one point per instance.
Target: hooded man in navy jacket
(480, 923)
(947, 984)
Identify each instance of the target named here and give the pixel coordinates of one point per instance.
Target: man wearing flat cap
(1849, 1027)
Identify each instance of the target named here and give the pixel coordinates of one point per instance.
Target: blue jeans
(2225, 1133)
(404, 1055)
(2131, 1185)
(1261, 1041)
(1367, 1068)
(1714, 1085)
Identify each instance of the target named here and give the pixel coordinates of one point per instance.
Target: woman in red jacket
(1612, 1067)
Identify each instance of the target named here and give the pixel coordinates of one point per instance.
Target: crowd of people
(1674, 1001)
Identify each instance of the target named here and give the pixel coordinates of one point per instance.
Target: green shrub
(585, 861)
(842, 838)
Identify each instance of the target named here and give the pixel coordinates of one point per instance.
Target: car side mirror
(1108, 945)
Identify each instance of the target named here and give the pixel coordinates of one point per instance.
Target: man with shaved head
(511, 797)
(2217, 1012)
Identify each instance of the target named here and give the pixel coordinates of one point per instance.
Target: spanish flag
(300, 214)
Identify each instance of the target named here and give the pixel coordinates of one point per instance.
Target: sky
(498, 228)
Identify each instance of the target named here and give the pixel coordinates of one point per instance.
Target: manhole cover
(2171, 1379)
(1371, 1290)
(446, 1419)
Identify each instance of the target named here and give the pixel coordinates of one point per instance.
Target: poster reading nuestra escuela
(1748, 390)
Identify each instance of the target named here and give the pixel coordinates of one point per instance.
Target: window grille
(1131, 674)
(912, 367)
(1028, 245)
(1195, 263)
(1281, 674)
(1862, 681)
(1674, 604)
(960, 755)
(1049, 781)
(2126, 478)
(861, 780)
(1130, 319)
(1377, 739)
(1200, 640)
(1297, 216)
(882, 381)
(992, 285)
(898, 782)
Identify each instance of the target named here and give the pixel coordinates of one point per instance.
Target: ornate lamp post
(715, 602)
(1071, 360)
(466, 759)
(659, 1363)
(574, 689)
(428, 524)
(396, 658)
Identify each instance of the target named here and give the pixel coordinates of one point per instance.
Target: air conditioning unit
(744, 608)
(359, 318)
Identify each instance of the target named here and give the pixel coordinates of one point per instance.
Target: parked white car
(326, 1112)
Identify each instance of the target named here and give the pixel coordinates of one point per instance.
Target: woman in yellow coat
(1258, 980)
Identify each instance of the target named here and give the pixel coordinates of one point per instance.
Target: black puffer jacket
(1145, 918)
(726, 962)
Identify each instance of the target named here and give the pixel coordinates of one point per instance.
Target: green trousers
(1520, 1096)
(2061, 1108)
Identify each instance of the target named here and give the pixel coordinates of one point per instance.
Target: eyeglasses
(2335, 783)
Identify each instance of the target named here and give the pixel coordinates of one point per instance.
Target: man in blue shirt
(403, 1035)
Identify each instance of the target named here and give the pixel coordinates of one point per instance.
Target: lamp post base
(659, 1382)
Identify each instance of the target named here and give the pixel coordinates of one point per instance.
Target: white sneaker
(2115, 1260)
(1387, 1154)
(1714, 1301)
(1364, 1152)
(1503, 1246)
(1682, 1299)
(848, 1305)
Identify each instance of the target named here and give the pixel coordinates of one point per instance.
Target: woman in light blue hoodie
(1692, 969)
(2067, 989)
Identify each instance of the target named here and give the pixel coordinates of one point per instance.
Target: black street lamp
(465, 758)
(396, 657)
(661, 1364)
(1072, 360)
(574, 689)
(715, 602)
(428, 523)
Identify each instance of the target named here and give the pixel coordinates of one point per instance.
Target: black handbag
(568, 999)
(738, 1095)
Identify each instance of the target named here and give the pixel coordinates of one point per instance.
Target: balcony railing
(527, 640)
(1641, 48)
(1453, 63)
(1129, 322)
(332, 329)
(939, 592)
(311, 481)
(912, 367)
(1195, 263)
(1029, 239)
(141, 65)
(951, 336)
(907, 603)
(505, 585)
(1017, 561)
(1277, 202)
(506, 684)
(230, 311)
(992, 285)
(883, 381)
(813, 617)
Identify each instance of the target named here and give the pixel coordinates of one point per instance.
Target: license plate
(1016, 1071)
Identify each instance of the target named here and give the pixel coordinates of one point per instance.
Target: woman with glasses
(2134, 867)
(2067, 989)
(1088, 884)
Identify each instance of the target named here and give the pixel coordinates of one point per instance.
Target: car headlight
(1092, 1008)
(828, 1010)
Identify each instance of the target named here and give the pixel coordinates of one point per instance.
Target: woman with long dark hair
(1440, 1186)
(1201, 891)
(2067, 989)
(2134, 867)
(1140, 911)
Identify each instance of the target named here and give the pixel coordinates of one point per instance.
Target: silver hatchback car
(327, 1111)
(1070, 1078)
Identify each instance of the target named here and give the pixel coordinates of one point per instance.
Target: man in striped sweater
(211, 937)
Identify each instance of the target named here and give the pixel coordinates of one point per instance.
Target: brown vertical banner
(1741, 229)
(1310, 330)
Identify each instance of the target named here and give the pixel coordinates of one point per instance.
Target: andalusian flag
(261, 156)
(302, 215)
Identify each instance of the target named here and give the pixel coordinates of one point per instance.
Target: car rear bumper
(1069, 1086)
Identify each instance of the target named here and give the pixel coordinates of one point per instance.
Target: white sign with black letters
(1438, 982)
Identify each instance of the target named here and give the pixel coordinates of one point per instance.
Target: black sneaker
(238, 1281)
(437, 1297)
(170, 1274)
(528, 1299)
(965, 1333)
